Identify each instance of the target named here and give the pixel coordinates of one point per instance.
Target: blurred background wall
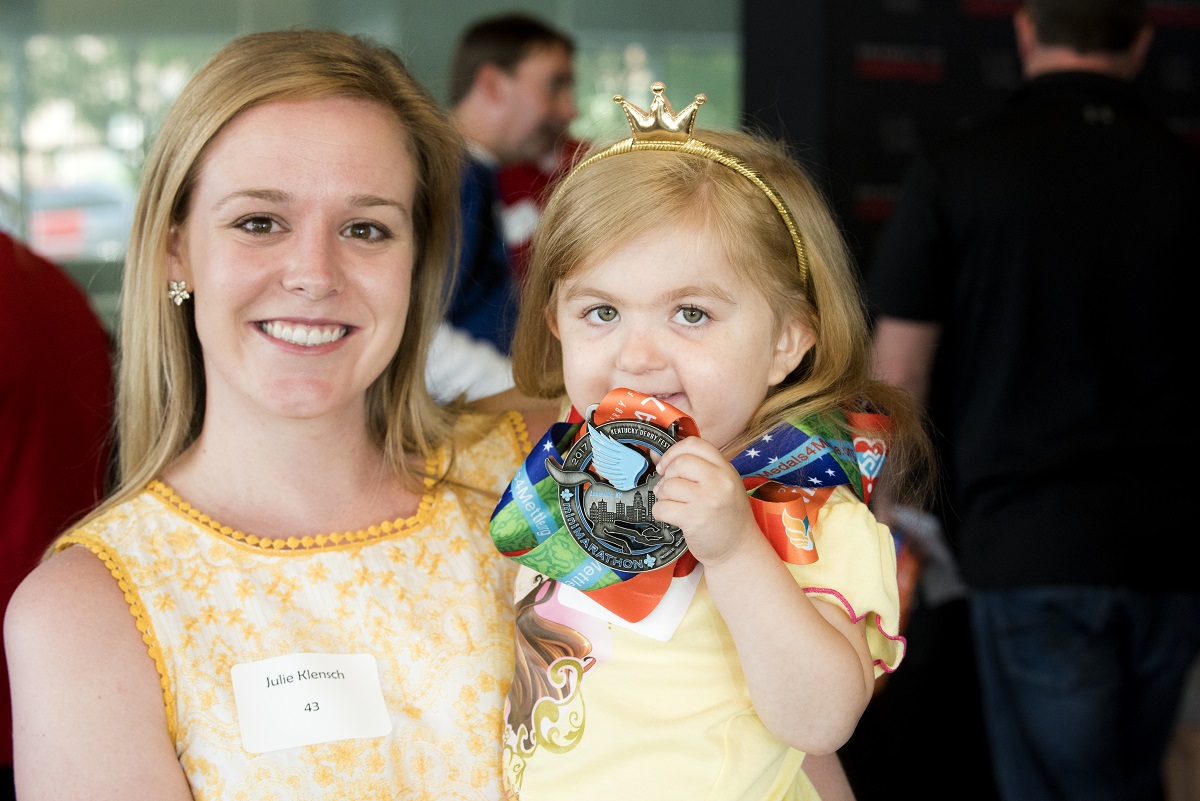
(860, 85)
(855, 86)
(84, 84)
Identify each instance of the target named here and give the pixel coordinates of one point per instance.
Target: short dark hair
(502, 40)
(1089, 25)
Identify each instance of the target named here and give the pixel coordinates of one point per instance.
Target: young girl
(696, 291)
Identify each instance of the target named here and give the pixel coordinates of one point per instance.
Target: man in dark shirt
(1028, 289)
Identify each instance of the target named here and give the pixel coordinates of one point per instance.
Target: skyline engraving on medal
(606, 495)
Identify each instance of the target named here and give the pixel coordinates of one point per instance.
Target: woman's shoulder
(537, 413)
(78, 664)
(493, 436)
(116, 515)
(59, 581)
(75, 579)
(72, 600)
(508, 413)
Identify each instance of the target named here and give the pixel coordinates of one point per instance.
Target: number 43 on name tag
(303, 699)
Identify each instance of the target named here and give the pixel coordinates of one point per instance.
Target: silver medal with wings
(606, 494)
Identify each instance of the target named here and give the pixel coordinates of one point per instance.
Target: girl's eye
(363, 230)
(256, 225)
(690, 315)
(601, 314)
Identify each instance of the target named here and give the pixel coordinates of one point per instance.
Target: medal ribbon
(789, 474)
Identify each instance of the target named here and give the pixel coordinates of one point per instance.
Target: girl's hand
(807, 663)
(703, 494)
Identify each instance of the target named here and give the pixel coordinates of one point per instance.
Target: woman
(292, 592)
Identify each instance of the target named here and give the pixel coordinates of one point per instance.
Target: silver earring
(177, 291)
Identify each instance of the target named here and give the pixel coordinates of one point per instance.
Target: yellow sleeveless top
(428, 597)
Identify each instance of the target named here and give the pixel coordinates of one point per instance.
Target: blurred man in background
(512, 98)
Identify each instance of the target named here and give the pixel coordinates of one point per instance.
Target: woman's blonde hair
(160, 376)
(616, 200)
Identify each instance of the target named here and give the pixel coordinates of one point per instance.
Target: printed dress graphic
(545, 707)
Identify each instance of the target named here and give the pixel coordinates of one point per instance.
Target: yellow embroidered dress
(428, 597)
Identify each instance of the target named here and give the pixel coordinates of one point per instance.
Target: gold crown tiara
(661, 128)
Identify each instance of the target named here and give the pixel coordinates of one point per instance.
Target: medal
(586, 518)
(606, 494)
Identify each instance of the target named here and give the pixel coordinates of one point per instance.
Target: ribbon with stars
(789, 474)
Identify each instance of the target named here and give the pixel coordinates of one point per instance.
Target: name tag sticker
(304, 699)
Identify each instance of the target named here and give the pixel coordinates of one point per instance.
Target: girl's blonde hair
(616, 200)
(160, 376)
